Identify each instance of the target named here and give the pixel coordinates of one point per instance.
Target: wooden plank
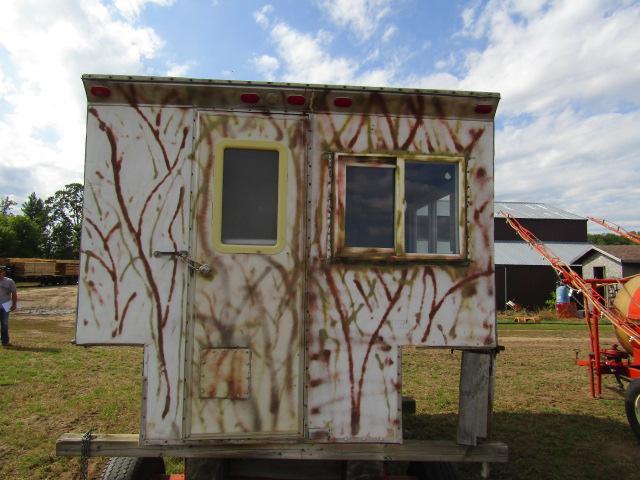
(474, 401)
(69, 445)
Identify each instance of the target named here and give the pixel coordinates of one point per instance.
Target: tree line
(608, 239)
(44, 228)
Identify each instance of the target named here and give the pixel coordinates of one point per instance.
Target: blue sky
(568, 126)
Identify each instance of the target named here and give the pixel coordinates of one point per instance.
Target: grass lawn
(542, 406)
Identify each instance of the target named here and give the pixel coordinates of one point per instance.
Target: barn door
(244, 350)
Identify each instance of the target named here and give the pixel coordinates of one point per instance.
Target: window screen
(250, 197)
(369, 205)
(431, 215)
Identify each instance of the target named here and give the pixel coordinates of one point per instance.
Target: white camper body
(274, 246)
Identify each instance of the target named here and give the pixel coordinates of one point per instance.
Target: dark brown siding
(527, 285)
(629, 269)
(548, 230)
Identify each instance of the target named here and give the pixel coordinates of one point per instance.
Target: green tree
(607, 239)
(20, 236)
(8, 237)
(28, 234)
(6, 205)
(61, 240)
(67, 203)
(36, 209)
(64, 210)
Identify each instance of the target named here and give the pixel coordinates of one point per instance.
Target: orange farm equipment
(621, 360)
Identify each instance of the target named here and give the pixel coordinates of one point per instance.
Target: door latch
(183, 255)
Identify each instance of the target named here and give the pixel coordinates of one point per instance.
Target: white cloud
(389, 33)
(5, 86)
(363, 16)
(178, 69)
(42, 130)
(570, 107)
(306, 59)
(586, 164)
(440, 80)
(446, 63)
(131, 9)
(266, 64)
(262, 16)
(545, 58)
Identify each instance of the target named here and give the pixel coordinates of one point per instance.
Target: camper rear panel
(274, 259)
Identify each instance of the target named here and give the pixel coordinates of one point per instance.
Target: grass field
(542, 406)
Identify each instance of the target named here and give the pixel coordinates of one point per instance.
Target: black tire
(632, 406)
(132, 468)
(433, 470)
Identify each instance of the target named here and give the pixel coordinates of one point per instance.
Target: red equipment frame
(601, 361)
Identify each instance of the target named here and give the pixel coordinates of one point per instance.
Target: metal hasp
(621, 360)
(275, 246)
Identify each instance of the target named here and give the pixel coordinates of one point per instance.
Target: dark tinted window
(369, 207)
(250, 197)
(431, 216)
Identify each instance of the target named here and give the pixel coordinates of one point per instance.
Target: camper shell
(273, 247)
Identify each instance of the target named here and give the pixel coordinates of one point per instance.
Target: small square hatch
(225, 373)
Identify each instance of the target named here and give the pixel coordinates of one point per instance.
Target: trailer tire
(133, 468)
(433, 470)
(632, 406)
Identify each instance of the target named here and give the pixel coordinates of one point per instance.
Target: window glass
(431, 215)
(250, 197)
(369, 206)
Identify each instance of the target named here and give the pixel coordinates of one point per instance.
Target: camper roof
(290, 97)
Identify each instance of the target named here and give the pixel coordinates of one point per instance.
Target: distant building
(521, 274)
(610, 261)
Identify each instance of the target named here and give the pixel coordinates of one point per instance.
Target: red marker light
(296, 100)
(250, 98)
(100, 91)
(342, 102)
(482, 108)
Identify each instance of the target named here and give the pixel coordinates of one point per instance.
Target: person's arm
(14, 299)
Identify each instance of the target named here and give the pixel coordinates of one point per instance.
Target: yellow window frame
(218, 176)
(398, 162)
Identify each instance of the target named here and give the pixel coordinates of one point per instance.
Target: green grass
(49, 387)
(542, 409)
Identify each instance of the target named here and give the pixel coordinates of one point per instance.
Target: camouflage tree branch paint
(303, 342)
(127, 178)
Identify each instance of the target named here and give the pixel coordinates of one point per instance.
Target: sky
(567, 127)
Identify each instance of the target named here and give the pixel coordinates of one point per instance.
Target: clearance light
(100, 91)
(296, 100)
(342, 102)
(482, 108)
(250, 98)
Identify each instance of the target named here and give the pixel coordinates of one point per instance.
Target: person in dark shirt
(8, 303)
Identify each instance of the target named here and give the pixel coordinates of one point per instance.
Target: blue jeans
(4, 326)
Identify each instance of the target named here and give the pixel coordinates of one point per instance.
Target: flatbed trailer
(274, 246)
(45, 271)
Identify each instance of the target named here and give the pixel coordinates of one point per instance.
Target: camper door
(244, 348)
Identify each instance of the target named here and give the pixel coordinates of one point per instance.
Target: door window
(250, 193)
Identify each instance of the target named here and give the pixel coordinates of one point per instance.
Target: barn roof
(520, 253)
(620, 253)
(534, 211)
